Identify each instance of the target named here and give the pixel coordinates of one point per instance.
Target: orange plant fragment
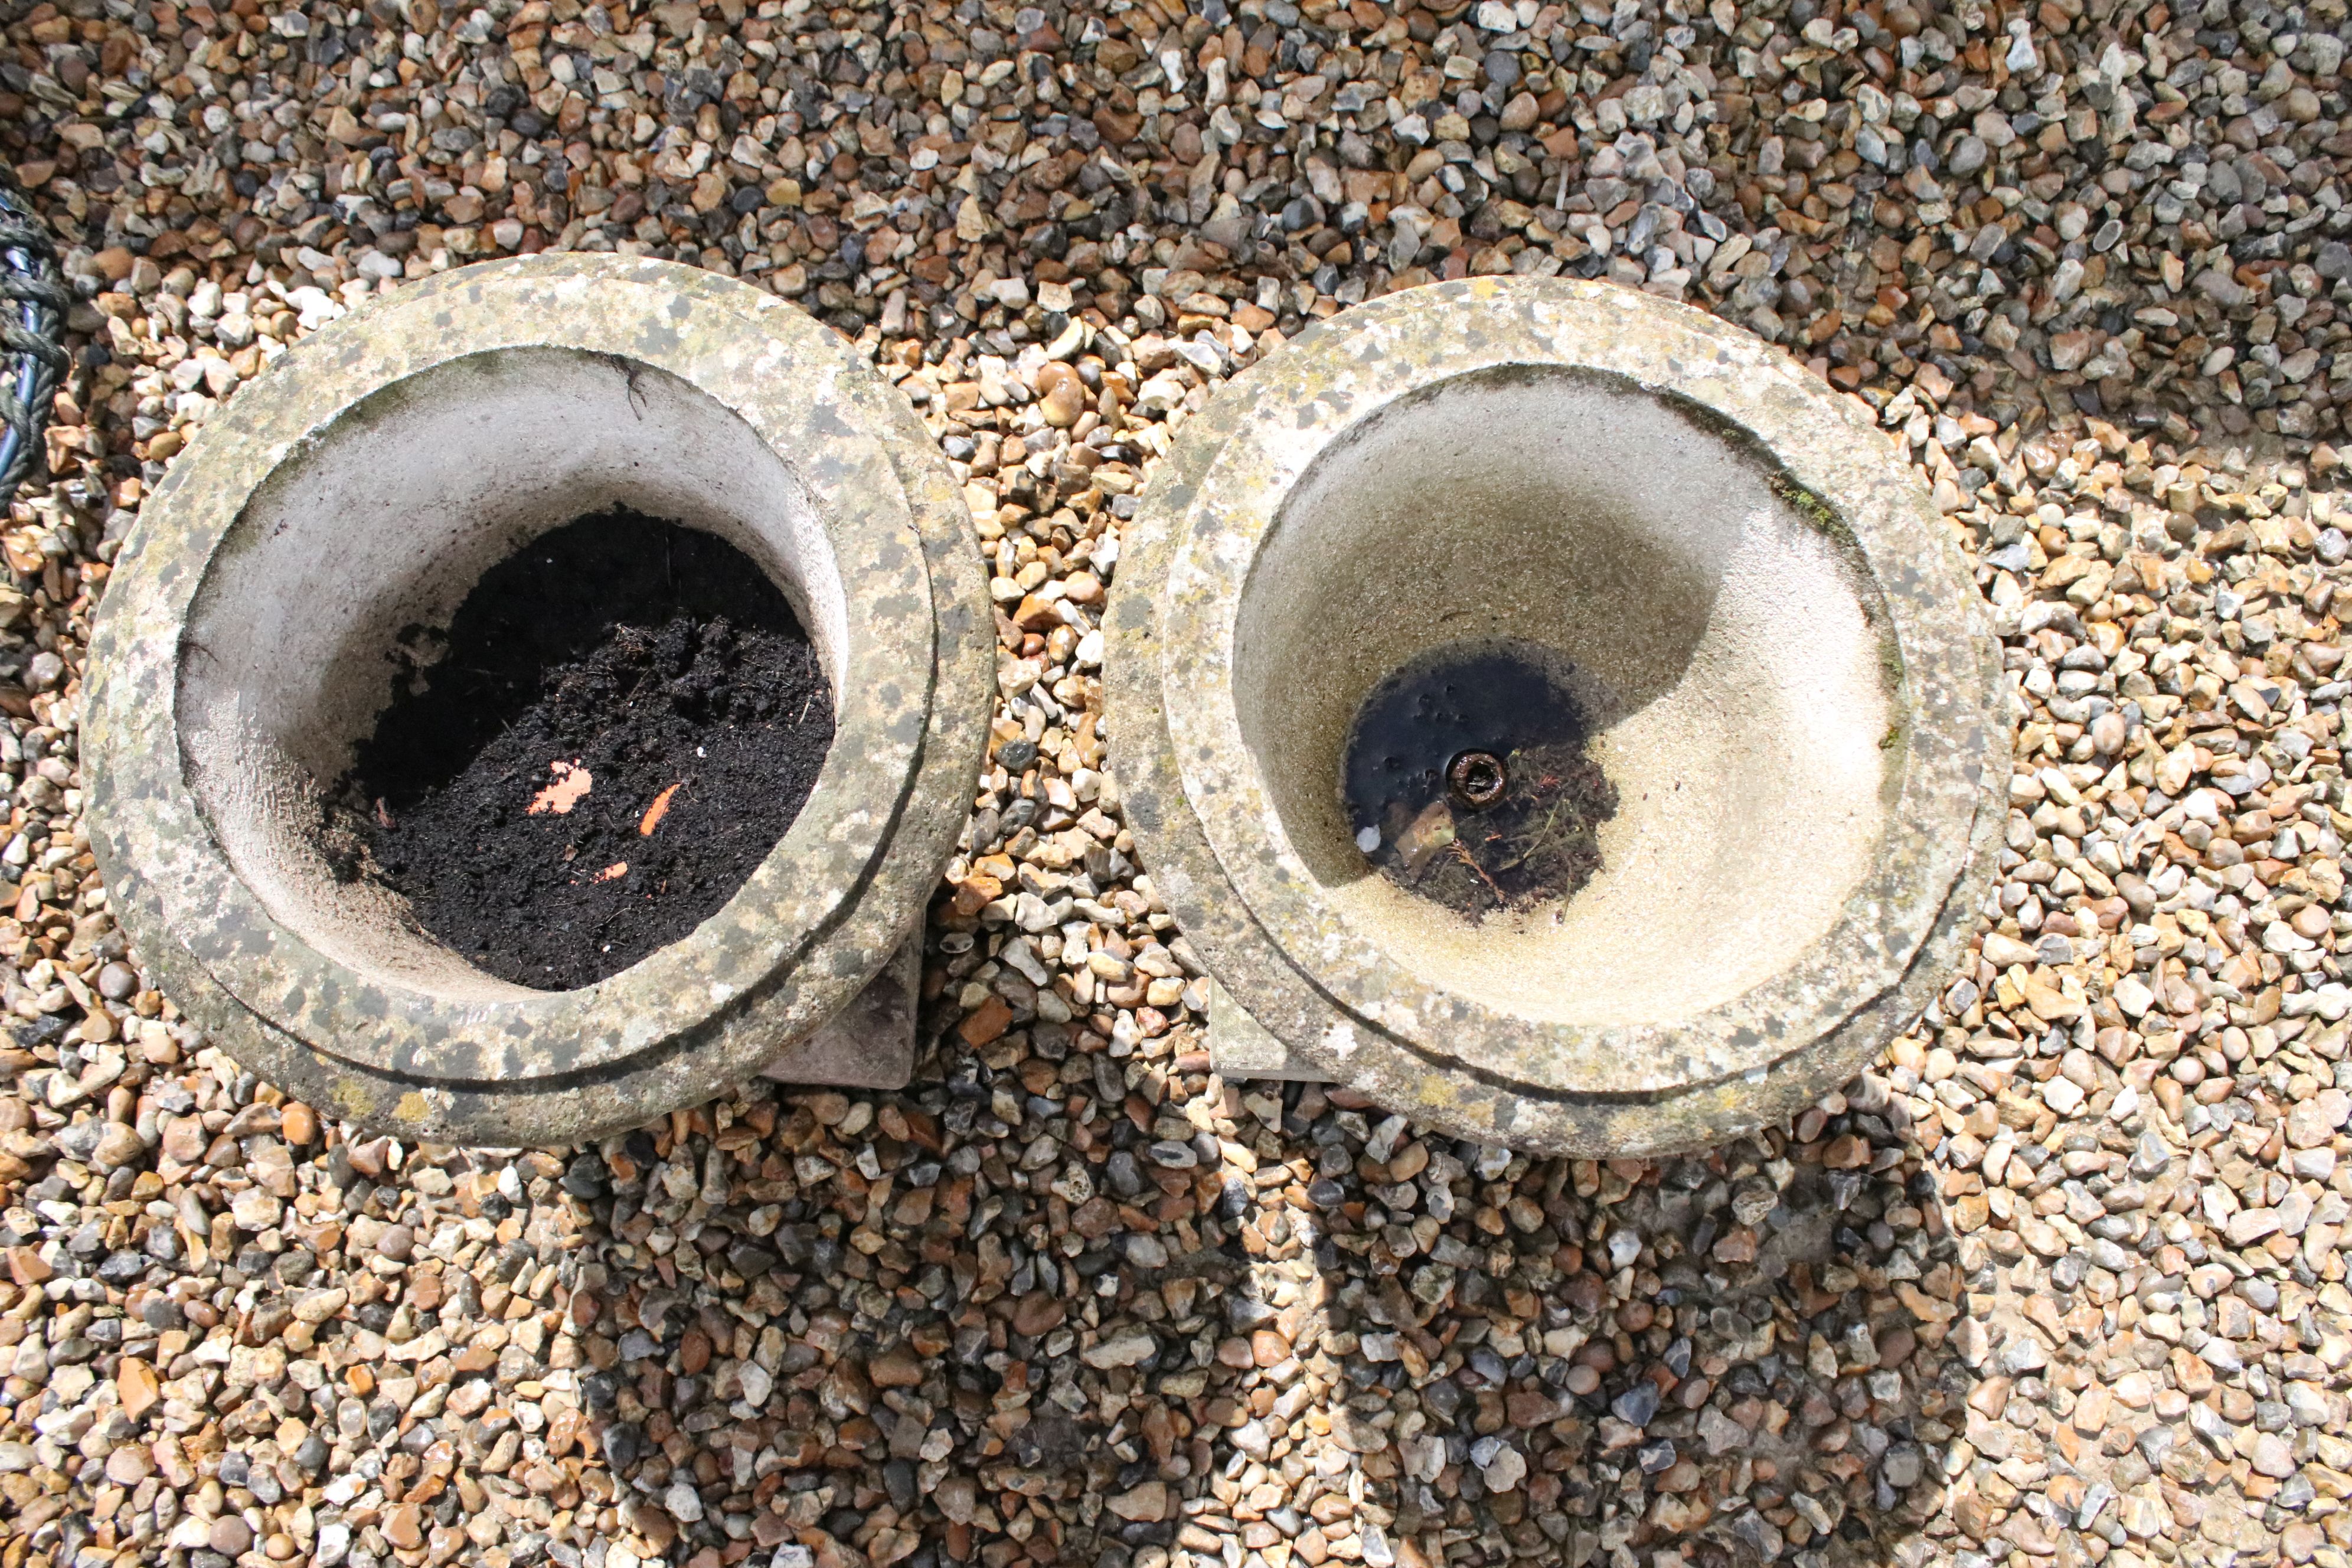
(655, 812)
(571, 787)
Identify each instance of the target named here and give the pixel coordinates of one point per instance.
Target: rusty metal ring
(1477, 779)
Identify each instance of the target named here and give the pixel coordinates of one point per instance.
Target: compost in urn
(615, 729)
(1469, 783)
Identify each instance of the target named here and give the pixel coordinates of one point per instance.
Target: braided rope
(33, 301)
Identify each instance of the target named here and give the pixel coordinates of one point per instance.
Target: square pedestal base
(1242, 1048)
(870, 1044)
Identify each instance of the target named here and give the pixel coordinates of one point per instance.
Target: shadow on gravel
(1726, 1358)
(964, 1324)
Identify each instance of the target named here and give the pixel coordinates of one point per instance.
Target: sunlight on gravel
(2061, 1282)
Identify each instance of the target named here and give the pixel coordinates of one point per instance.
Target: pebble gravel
(2061, 1280)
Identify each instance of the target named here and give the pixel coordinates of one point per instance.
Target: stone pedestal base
(870, 1044)
(1242, 1048)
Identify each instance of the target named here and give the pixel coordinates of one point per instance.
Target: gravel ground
(2060, 1280)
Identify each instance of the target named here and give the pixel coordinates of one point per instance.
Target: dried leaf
(1431, 831)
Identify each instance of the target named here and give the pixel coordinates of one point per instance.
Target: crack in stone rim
(741, 968)
(1957, 682)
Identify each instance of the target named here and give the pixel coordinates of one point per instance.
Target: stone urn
(362, 487)
(1749, 846)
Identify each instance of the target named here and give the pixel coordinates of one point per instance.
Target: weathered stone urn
(363, 486)
(1780, 662)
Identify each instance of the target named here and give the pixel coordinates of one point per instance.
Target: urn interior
(362, 542)
(1730, 654)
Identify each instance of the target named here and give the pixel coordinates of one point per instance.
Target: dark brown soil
(654, 664)
(1536, 842)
